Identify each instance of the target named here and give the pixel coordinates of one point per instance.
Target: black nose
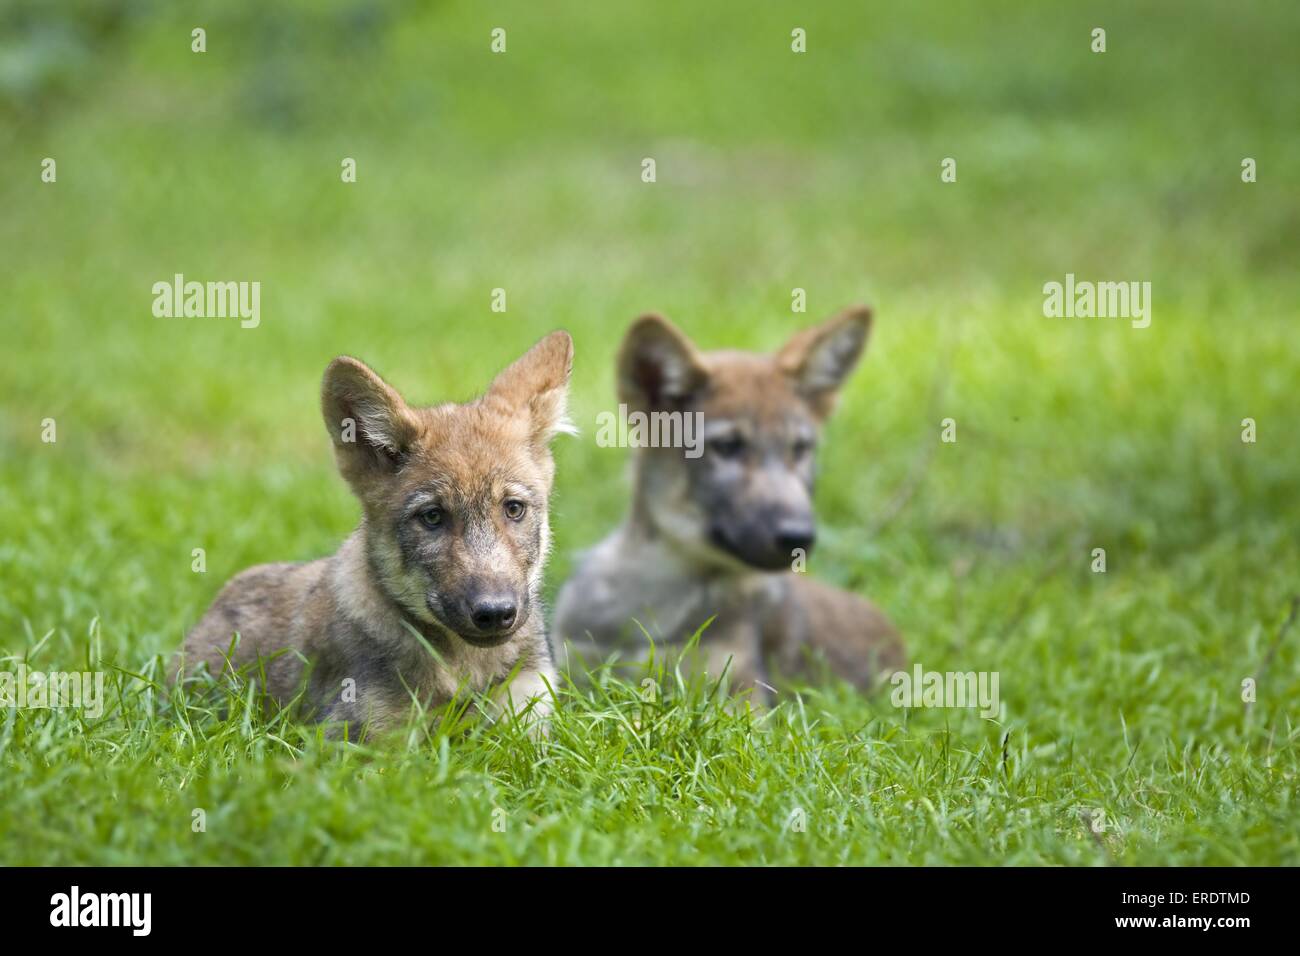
(493, 614)
(792, 535)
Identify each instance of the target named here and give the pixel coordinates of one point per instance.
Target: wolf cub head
(746, 500)
(455, 496)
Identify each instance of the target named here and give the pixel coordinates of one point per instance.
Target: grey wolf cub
(438, 588)
(716, 534)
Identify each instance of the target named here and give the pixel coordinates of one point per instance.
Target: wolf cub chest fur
(438, 589)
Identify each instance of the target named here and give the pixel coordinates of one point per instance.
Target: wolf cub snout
(448, 555)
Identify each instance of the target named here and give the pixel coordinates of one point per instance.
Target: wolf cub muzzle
(447, 558)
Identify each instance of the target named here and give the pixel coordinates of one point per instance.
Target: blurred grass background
(775, 170)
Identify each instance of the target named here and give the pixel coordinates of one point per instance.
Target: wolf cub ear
(538, 382)
(658, 366)
(820, 358)
(371, 426)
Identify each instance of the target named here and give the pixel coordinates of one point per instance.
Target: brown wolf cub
(451, 545)
(715, 531)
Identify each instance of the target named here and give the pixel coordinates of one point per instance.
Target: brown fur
(439, 553)
(716, 535)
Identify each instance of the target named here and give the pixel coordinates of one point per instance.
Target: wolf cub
(716, 534)
(438, 589)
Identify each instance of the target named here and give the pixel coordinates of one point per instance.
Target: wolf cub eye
(431, 517)
(802, 447)
(514, 509)
(728, 446)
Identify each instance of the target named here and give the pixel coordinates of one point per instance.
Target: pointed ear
(658, 366)
(820, 358)
(371, 426)
(538, 383)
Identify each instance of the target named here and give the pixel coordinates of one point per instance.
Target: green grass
(1122, 690)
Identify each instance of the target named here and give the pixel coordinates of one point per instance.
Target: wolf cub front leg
(530, 696)
(734, 655)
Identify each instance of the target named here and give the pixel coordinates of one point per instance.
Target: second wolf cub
(715, 535)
